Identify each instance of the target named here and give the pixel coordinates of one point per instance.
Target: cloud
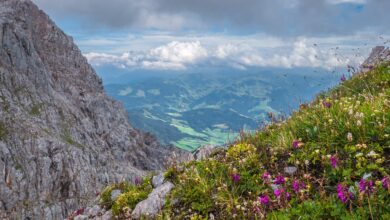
(276, 17)
(172, 56)
(176, 55)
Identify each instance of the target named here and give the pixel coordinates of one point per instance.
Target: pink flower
(341, 193)
(264, 200)
(236, 177)
(327, 104)
(333, 161)
(137, 181)
(362, 185)
(266, 175)
(295, 185)
(296, 143)
(365, 185)
(343, 78)
(288, 196)
(385, 182)
(279, 180)
(278, 192)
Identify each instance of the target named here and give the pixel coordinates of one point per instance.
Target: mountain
(328, 160)
(194, 109)
(61, 137)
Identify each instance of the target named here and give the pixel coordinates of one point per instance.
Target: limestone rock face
(61, 138)
(378, 54)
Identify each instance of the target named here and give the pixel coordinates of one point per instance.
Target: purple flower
(370, 185)
(333, 161)
(279, 180)
(264, 200)
(326, 104)
(137, 181)
(385, 182)
(362, 185)
(341, 193)
(351, 195)
(365, 185)
(343, 78)
(266, 176)
(236, 177)
(288, 196)
(278, 192)
(296, 143)
(295, 185)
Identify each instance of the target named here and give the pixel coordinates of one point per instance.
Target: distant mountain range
(194, 109)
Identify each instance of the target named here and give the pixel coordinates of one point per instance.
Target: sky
(181, 35)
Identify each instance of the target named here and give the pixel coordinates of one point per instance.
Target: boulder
(151, 206)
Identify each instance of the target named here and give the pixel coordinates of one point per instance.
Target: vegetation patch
(3, 131)
(130, 195)
(329, 160)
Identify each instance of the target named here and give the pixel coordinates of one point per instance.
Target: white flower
(372, 154)
(359, 123)
(349, 137)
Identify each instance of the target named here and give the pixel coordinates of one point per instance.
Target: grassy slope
(339, 138)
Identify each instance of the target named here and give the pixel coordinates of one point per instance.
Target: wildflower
(385, 182)
(297, 143)
(349, 137)
(279, 180)
(236, 177)
(327, 104)
(343, 78)
(295, 185)
(341, 193)
(264, 200)
(288, 196)
(362, 185)
(372, 154)
(365, 185)
(333, 161)
(351, 195)
(137, 181)
(359, 123)
(278, 192)
(266, 176)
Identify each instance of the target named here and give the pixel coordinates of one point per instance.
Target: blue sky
(179, 35)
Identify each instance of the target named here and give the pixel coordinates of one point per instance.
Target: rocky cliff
(61, 137)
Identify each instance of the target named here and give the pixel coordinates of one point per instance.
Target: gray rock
(378, 55)
(158, 180)
(204, 152)
(107, 215)
(93, 211)
(290, 170)
(114, 194)
(81, 217)
(61, 137)
(153, 204)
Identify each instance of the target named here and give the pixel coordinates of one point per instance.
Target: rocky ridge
(61, 138)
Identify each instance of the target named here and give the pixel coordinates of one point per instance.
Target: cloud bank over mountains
(185, 55)
(184, 34)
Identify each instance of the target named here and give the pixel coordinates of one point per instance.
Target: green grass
(339, 144)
